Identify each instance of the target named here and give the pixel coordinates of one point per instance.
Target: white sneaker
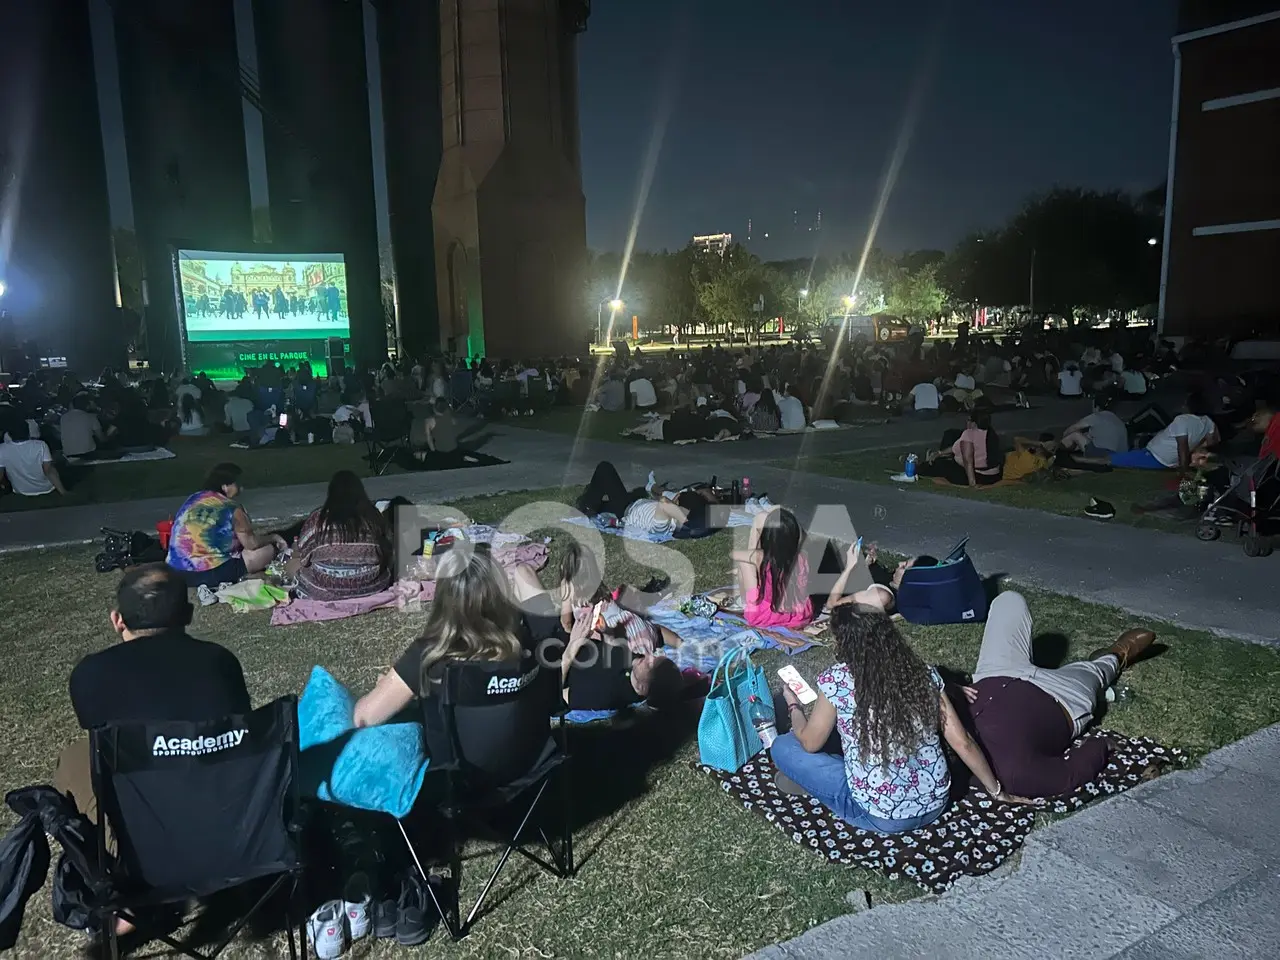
(902, 478)
(206, 595)
(765, 503)
(326, 931)
(356, 904)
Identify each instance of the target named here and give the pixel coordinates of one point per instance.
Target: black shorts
(233, 571)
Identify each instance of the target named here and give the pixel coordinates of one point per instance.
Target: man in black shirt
(157, 672)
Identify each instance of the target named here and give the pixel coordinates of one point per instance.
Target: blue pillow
(374, 768)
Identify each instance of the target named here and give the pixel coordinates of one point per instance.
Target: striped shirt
(642, 516)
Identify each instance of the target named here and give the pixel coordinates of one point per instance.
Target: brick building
(1221, 268)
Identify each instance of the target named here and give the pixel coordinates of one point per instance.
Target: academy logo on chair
(500, 685)
(196, 746)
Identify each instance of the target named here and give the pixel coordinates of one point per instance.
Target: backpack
(122, 549)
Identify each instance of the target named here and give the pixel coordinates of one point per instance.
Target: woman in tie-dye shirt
(212, 541)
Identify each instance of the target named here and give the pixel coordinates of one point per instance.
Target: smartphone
(284, 419)
(857, 547)
(791, 677)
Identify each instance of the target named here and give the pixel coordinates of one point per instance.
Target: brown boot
(1131, 645)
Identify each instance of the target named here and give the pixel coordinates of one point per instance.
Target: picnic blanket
(705, 641)
(974, 836)
(159, 453)
(609, 523)
(405, 594)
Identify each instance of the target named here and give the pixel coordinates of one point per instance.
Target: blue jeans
(822, 776)
(1140, 459)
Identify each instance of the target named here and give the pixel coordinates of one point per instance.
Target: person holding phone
(600, 672)
(876, 596)
(889, 709)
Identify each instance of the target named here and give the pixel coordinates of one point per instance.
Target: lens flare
(906, 130)
(668, 92)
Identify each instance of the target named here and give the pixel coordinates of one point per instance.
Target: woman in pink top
(975, 458)
(773, 575)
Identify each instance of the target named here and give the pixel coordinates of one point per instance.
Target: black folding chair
(195, 809)
(389, 437)
(505, 396)
(462, 391)
(540, 398)
(488, 732)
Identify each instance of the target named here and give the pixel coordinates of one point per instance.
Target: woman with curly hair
(891, 713)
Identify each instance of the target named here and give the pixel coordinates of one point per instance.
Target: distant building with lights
(716, 243)
(1222, 216)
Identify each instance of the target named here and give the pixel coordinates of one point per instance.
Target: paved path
(1183, 868)
(1209, 586)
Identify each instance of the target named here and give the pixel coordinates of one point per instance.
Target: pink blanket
(401, 594)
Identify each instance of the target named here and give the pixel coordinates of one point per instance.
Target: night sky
(783, 106)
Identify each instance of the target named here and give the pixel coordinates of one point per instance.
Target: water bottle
(910, 470)
(746, 489)
(762, 720)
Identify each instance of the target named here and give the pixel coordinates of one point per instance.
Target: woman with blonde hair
(472, 618)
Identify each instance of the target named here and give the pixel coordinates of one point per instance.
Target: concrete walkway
(1183, 868)
(1208, 586)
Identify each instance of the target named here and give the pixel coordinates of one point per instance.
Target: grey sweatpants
(1006, 652)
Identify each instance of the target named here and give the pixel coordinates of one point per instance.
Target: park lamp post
(800, 299)
(614, 306)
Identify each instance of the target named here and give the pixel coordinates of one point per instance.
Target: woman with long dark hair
(344, 547)
(890, 710)
(765, 415)
(773, 574)
(973, 458)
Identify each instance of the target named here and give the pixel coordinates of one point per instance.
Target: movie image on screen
(238, 297)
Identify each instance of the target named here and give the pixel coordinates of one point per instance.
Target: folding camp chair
(540, 398)
(195, 809)
(462, 391)
(505, 396)
(389, 435)
(488, 732)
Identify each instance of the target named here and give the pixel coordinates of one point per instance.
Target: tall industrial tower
(509, 215)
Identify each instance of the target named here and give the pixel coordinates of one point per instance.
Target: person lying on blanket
(638, 509)
(879, 595)
(1026, 717)
(600, 672)
(889, 773)
(580, 587)
(773, 574)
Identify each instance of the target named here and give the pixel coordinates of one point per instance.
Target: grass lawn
(599, 425)
(670, 866)
(1121, 488)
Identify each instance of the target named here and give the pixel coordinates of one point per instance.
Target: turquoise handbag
(726, 738)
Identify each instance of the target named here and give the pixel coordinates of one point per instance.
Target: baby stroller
(1251, 504)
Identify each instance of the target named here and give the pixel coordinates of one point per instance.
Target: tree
(1076, 248)
(730, 288)
(671, 296)
(916, 294)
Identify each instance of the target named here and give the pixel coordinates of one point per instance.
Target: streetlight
(614, 306)
(1152, 242)
(849, 301)
(800, 299)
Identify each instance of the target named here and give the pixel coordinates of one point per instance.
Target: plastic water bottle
(762, 720)
(910, 470)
